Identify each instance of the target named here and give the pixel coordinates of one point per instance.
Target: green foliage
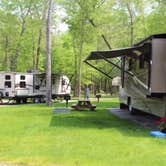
(111, 18)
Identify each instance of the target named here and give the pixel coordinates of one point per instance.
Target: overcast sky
(61, 14)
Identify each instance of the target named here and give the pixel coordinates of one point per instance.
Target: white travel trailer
(21, 86)
(143, 74)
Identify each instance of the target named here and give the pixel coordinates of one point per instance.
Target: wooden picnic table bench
(84, 104)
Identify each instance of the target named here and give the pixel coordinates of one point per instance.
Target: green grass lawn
(34, 135)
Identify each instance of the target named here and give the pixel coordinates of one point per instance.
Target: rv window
(130, 67)
(7, 77)
(129, 64)
(141, 70)
(22, 84)
(22, 77)
(141, 62)
(8, 84)
(37, 87)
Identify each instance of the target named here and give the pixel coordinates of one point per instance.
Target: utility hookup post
(98, 96)
(67, 98)
(67, 103)
(64, 110)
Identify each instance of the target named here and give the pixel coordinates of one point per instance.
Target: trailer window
(22, 84)
(63, 82)
(141, 71)
(141, 62)
(7, 77)
(22, 77)
(37, 87)
(8, 84)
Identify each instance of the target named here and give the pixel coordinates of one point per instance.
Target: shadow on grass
(100, 120)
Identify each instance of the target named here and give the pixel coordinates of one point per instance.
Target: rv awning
(132, 52)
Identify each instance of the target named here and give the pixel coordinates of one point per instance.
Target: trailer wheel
(1, 94)
(18, 100)
(24, 100)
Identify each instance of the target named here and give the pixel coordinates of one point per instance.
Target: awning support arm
(98, 69)
(102, 35)
(114, 64)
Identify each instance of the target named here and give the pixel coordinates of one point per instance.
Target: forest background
(78, 28)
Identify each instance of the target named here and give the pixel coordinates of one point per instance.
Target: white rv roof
(8, 72)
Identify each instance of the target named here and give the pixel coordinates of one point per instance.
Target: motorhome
(21, 86)
(143, 74)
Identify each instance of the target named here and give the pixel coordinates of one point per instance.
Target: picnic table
(84, 104)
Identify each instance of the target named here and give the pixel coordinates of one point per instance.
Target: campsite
(34, 135)
(82, 83)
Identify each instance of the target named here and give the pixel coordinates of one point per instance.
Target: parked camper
(143, 74)
(145, 89)
(21, 86)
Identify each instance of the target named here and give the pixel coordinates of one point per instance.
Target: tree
(79, 13)
(24, 12)
(123, 23)
(20, 22)
(49, 61)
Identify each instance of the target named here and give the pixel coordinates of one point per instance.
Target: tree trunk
(81, 54)
(76, 68)
(6, 61)
(14, 61)
(131, 25)
(49, 59)
(33, 50)
(38, 50)
(40, 39)
(105, 85)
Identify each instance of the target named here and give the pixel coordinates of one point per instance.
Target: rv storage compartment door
(158, 69)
